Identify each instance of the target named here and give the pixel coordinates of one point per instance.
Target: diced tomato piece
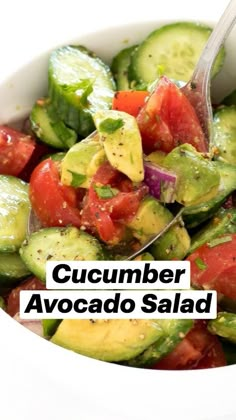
(215, 267)
(125, 185)
(107, 175)
(108, 230)
(16, 149)
(130, 101)
(13, 301)
(124, 205)
(168, 119)
(108, 215)
(53, 203)
(195, 348)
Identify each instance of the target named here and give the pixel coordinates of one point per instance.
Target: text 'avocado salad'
(105, 160)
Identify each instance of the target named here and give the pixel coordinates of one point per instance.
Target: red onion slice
(161, 182)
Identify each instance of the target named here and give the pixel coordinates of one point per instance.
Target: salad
(104, 160)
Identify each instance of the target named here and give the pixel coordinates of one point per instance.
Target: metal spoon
(198, 92)
(197, 89)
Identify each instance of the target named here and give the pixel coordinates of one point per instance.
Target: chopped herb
(106, 191)
(200, 263)
(82, 89)
(77, 179)
(110, 125)
(218, 241)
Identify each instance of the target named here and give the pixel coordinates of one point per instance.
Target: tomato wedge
(53, 203)
(214, 267)
(199, 349)
(130, 101)
(168, 119)
(16, 149)
(13, 301)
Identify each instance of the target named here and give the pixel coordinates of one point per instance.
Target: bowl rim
(175, 381)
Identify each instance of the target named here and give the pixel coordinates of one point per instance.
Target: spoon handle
(215, 41)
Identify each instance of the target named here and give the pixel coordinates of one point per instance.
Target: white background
(26, 391)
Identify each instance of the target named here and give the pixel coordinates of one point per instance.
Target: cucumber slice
(225, 134)
(49, 128)
(59, 244)
(50, 326)
(224, 326)
(12, 269)
(223, 222)
(119, 67)
(14, 212)
(79, 85)
(173, 48)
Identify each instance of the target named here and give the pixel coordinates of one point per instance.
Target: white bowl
(43, 381)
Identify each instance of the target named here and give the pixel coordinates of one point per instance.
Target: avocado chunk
(225, 134)
(122, 142)
(174, 244)
(224, 326)
(157, 157)
(59, 244)
(224, 221)
(171, 332)
(111, 340)
(197, 178)
(196, 214)
(81, 163)
(150, 219)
